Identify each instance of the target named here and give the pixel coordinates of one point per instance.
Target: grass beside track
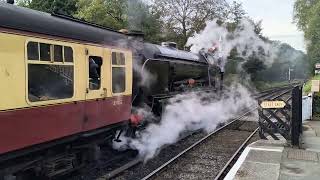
(307, 86)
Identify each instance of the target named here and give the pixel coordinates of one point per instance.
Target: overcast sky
(277, 17)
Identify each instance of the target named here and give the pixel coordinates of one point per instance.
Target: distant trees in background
(160, 20)
(67, 7)
(182, 18)
(307, 18)
(286, 58)
(177, 20)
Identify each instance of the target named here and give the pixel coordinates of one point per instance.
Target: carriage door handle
(105, 92)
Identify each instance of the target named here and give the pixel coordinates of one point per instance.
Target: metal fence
(285, 121)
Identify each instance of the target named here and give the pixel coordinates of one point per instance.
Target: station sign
(273, 104)
(315, 86)
(317, 65)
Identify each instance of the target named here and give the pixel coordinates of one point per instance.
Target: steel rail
(120, 170)
(243, 145)
(204, 138)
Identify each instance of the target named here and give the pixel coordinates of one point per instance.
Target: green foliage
(67, 7)
(253, 66)
(307, 17)
(120, 14)
(303, 10)
(111, 13)
(307, 86)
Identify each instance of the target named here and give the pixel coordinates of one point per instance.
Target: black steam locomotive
(162, 71)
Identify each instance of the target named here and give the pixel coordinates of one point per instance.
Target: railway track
(184, 161)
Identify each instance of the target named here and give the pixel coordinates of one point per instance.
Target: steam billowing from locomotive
(189, 112)
(244, 39)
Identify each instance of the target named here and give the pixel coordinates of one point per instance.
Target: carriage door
(96, 87)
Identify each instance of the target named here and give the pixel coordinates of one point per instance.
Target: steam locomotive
(68, 86)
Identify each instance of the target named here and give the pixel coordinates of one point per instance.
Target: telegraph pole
(289, 78)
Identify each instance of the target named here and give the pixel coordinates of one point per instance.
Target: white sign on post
(315, 87)
(273, 104)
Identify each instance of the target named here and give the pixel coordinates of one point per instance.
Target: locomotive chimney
(10, 1)
(169, 44)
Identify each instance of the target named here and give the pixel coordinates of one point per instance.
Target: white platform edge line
(232, 173)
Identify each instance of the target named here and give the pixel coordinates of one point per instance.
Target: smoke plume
(243, 38)
(189, 112)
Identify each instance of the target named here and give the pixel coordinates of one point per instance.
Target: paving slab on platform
(261, 156)
(266, 171)
(298, 154)
(297, 169)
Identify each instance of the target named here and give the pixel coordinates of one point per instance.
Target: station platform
(276, 160)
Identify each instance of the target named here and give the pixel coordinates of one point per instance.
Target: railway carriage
(51, 95)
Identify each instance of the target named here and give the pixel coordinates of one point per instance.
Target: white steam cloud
(244, 39)
(189, 112)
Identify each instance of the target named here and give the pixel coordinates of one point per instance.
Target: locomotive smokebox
(10, 1)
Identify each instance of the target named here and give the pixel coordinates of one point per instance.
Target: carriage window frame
(52, 53)
(118, 63)
(52, 62)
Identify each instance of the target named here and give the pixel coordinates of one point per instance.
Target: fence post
(300, 110)
(296, 121)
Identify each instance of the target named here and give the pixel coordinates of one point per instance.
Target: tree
(312, 33)
(307, 18)
(110, 13)
(120, 14)
(142, 18)
(236, 12)
(253, 66)
(184, 17)
(303, 10)
(67, 7)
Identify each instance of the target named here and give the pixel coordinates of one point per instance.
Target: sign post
(317, 68)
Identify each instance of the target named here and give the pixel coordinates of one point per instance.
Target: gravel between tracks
(208, 159)
(203, 162)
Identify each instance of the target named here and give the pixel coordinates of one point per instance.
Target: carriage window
(118, 72)
(33, 51)
(68, 54)
(95, 64)
(49, 82)
(118, 79)
(45, 52)
(118, 58)
(58, 53)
